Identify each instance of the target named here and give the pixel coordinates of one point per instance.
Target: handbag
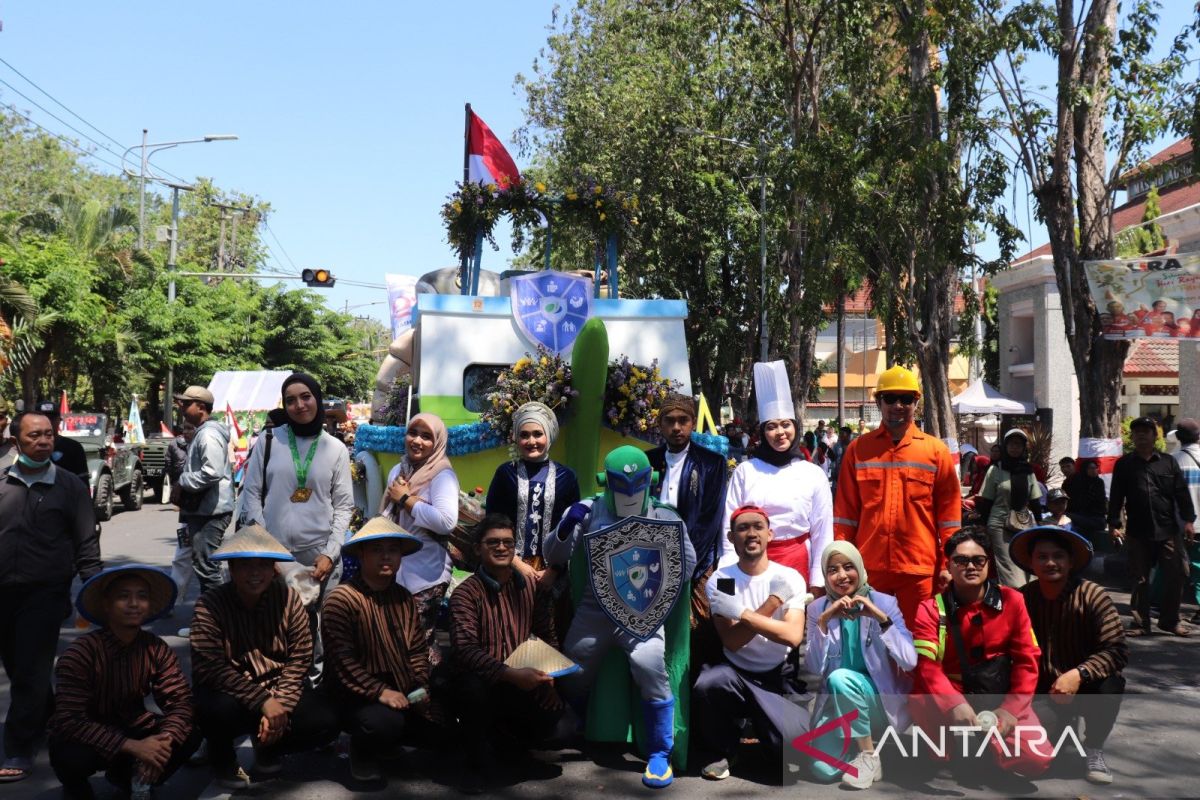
(189, 502)
(1019, 519)
(991, 676)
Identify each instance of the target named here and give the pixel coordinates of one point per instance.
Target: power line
(62, 138)
(29, 80)
(282, 249)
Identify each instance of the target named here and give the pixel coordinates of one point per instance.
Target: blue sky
(350, 116)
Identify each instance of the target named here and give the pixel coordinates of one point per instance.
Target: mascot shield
(636, 570)
(550, 308)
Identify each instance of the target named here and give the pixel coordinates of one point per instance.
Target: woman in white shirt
(422, 497)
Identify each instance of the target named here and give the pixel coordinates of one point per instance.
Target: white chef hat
(773, 391)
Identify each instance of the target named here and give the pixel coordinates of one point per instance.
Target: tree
(1111, 96)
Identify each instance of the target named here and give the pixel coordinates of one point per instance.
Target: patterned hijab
(422, 476)
(540, 414)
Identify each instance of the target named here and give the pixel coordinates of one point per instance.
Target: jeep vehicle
(115, 469)
(154, 463)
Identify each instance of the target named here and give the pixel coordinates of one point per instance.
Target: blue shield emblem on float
(549, 308)
(636, 570)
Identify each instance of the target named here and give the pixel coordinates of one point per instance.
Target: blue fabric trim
(373, 536)
(253, 554)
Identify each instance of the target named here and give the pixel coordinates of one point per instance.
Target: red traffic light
(318, 278)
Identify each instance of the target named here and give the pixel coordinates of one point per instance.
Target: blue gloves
(575, 515)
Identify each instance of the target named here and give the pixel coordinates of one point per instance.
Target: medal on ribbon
(302, 492)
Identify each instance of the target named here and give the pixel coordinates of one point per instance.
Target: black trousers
(312, 723)
(30, 617)
(720, 697)
(501, 713)
(1171, 557)
(377, 730)
(75, 762)
(1097, 704)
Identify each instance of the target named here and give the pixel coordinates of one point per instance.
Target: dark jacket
(176, 458)
(701, 499)
(1085, 495)
(1153, 493)
(69, 455)
(47, 531)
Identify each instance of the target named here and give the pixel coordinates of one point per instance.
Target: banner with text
(1155, 296)
(402, 299)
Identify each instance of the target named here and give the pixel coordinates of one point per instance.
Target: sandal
(16, 769)
(1136, 631)
(1181, 629)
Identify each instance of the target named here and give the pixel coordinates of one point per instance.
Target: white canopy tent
(247, 390)
(981, 398)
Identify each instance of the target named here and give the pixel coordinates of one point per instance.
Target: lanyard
(301, 469)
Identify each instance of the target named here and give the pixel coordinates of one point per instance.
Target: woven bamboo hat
(384, 528)
(252, 541)
(1020, 549)
(163, 591)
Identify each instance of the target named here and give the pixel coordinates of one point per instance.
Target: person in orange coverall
(992, 623)
(898, 498)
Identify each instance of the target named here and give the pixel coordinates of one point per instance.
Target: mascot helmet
(627, 479)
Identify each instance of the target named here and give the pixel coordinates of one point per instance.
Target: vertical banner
(133, 425)
(1155, 296)
(402, 299)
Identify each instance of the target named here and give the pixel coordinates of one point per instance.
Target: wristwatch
(883, 626)
(1085, 674)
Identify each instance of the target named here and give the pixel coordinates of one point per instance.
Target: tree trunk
(841, 352)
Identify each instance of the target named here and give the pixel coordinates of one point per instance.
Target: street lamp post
(761, 163)
(172, 252)
(149, 150)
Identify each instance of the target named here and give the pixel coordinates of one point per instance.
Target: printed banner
(1156, 296)
(402, 299)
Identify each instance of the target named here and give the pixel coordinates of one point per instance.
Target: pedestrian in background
(1087, 500)
(1150, 488)
(206, 484)
(181, 564)
(1009, 502)
(1188, 458)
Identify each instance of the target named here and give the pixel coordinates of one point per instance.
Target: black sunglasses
(976, 561)
(890, 399)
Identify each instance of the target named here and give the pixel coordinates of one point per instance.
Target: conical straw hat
(536, 654)
(252, 541)
(163, 591)
(384, 528)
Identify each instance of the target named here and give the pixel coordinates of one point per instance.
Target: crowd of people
(904, 615)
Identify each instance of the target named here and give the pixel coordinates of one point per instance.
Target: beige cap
(197, 393)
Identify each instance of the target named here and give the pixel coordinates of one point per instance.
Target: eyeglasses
(975, 561)
(890, 399)
(499, 544)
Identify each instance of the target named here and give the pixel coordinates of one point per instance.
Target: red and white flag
(166, 430)
(64, 408)
(487, 160)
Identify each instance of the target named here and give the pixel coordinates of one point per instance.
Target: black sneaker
(1097, 769)
(717, 770)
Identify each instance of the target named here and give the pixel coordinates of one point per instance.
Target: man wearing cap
(1056, 508)
(47, 536)
(377, 652)
(206, 484)
(1149, 486)
(758, 611)
(1079, 669)
(693, 483)
(491, 614)
(100, 717)
(898, 499)
(251, 648)
(1188, 458)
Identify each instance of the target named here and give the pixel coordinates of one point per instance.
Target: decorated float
(482, 344)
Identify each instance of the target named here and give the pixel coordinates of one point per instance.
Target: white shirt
(674, 474)
(797, 498)
(438, 515)
(760, 653)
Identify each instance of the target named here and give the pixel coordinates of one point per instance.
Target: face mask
(26, 461)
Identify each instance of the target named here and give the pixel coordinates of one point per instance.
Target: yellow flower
(522, 363)
(457, 206)
(633, 221)
(541, 187)
(599, 204)
(602, 216)
(545, 361)
(598, 190)
(572, 196)
(491, 187)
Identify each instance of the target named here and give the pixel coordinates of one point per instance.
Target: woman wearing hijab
(532, 491)
(778, 479)
(1009, 486)
(297, 481)
(422, 498)
(859, 645)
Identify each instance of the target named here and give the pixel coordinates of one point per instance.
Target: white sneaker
(868, 768)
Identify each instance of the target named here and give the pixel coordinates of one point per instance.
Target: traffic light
(318, 278)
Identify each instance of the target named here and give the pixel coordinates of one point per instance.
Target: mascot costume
(638, 560)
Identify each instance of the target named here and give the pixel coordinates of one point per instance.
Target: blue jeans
(206, 534)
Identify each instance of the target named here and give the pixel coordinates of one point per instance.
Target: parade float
(481, 344)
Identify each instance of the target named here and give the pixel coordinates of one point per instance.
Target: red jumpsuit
(937, 684)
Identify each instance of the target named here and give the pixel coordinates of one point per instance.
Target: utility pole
(172, 252)
(221, 243)
(232, 213)
(841, 351)
(142, 197)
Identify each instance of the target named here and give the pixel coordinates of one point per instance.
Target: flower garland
(394, 410)
(633, 395)
(461, 440)
(543, 376)
(474, 209)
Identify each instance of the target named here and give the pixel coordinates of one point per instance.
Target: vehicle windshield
(79, 425)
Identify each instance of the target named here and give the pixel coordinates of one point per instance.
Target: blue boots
(660, 738)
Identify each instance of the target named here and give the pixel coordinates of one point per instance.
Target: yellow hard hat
(898, 379)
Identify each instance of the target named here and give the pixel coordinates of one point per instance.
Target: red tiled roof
(859, 302)
(1152, 358)
(1172, 198)
(1180, 148)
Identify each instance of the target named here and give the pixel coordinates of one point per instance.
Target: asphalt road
(1153, 752)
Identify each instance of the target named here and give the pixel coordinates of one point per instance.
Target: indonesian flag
(487, 160)
(166, 430)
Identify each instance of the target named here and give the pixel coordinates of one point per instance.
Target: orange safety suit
(898, 503)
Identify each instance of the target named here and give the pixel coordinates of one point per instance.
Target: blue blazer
(701, 499)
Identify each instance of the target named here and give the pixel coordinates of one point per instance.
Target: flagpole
(462, 267)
